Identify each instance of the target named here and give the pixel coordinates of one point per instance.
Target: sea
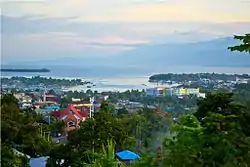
(123, 80)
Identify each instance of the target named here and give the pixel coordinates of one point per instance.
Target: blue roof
(127, 155)
(38, 162)
(52, 107)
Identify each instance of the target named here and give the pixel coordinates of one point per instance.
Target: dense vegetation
(37, 80)
(23, 130)
(217, 134)
(195, 77)
(134, 131)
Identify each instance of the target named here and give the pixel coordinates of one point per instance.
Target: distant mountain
(156, 56)
(185, 37)
(206, 53)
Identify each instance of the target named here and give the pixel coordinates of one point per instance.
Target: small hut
(127, 156)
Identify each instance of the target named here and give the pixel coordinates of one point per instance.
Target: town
(47, 96)
(67, 110)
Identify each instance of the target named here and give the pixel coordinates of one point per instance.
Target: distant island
(195, 77)
(24, 70)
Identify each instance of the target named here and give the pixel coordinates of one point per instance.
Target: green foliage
(12, 159)
(107, 107)
(57, 125)
(91, 137)
(42, 80)
(21, 129)
(194, 77)
(245, 46)
(216, 135)
(122, 111)
(217, 138)
(107, 157)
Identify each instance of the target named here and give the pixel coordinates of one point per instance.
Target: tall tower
(91, 108)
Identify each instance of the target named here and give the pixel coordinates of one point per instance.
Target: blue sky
(50, 29)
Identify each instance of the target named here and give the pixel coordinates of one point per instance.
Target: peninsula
(24, 70)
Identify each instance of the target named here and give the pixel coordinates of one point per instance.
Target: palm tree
(107, 157)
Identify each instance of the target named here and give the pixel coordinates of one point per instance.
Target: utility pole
(91, 108)
(44, 94)
(49, 119)
(91, 111)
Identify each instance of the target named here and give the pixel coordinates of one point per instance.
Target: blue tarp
(127, 155)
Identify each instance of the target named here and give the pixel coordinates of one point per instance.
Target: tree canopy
(215, 135)
(244, 46)
(21, 130)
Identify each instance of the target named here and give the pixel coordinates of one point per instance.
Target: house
(71, 116)
(19, 95)
(85, 105)
(51, 98)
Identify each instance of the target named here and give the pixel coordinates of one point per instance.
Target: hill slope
(158, 56)
(208, 53)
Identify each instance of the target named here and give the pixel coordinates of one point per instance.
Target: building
(19, 95)
(85, 105)
(201, 95)
(241, 81)
(182, 92)
(169, 92)
(193, 91)
(151, 92)
(51, 98)
(161, 91)
(71, 116)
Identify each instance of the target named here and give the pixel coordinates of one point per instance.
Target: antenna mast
(91, 108)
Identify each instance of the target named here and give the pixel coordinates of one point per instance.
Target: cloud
(89, 27)
(74, 38)
(44, 45)
(55, 8)
(117, 40)
(133, 10)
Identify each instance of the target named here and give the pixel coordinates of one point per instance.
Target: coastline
(73, 72)
(128, 81)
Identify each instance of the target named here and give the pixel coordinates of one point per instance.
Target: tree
(10, 158)
(21, 129)
(92, 135)
(214, 136)
(224, 104)
(245, 46)
(122, 111)
(107, 107)
(107, 157)
(185, 143)
(57, 125)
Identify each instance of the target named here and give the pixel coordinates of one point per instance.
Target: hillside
(207, 53)
(157, 56)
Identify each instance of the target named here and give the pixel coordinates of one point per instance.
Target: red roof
(65, 111)
(84, 114)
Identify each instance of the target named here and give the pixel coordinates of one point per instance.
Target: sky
(52, 29)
